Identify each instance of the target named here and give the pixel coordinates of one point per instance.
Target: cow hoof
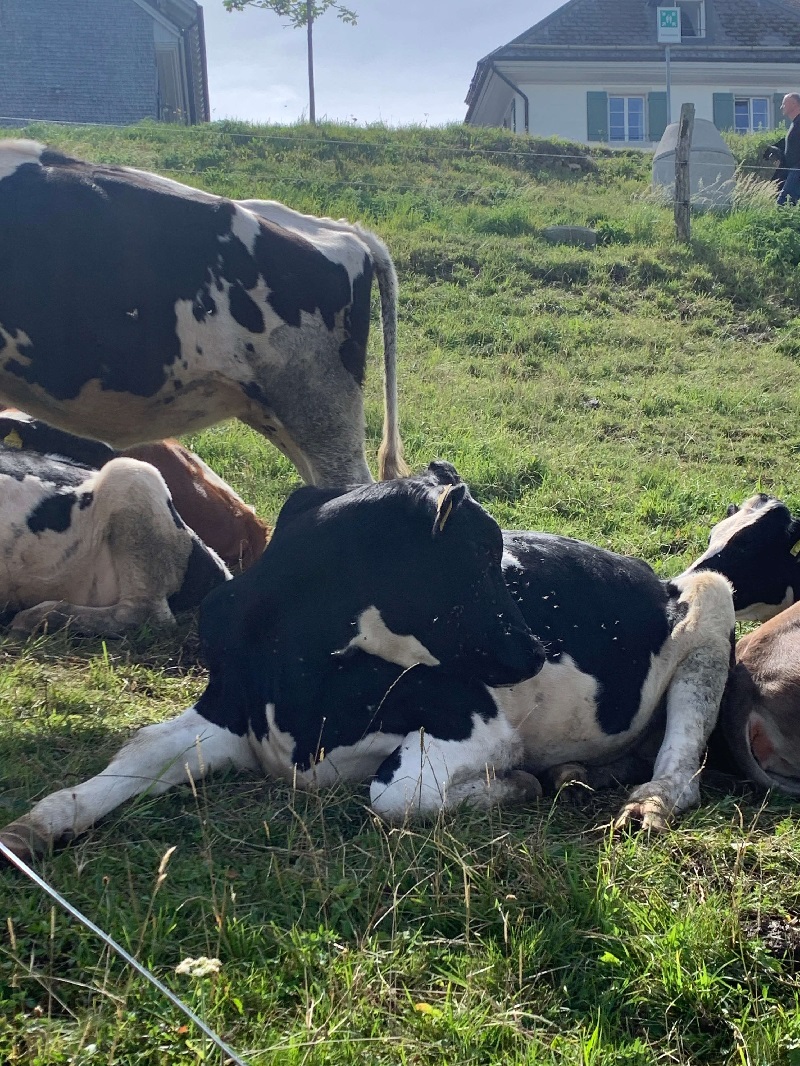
(648, 814)
(45, 616)
(526, 786)
(23, 841)
(569, 782)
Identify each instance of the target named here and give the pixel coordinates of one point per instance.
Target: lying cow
(385, 636)
(206, 503)
(758, 547)
(103, 550)
(135, 308)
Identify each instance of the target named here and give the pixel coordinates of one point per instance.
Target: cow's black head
(757, 547)
(405, 570)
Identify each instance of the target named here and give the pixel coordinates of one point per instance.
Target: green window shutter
(723, 111)
(656, 115)
(779, 121)
(597, 116)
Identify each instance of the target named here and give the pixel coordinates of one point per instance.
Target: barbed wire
(205, 130)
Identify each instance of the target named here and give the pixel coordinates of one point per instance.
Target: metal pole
(669, 86)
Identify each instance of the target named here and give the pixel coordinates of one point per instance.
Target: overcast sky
(406, 61)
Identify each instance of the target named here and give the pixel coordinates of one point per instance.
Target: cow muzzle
(515, 656)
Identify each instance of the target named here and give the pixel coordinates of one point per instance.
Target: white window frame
(698, 8)
(627, 139)
(741, 99)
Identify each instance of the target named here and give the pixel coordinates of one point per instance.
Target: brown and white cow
(134, 308)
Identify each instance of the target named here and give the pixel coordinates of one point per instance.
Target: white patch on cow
(245, 226)
(375, 638)
(15, 153)
(762, 612)
(162, 184)
(15, 343)
(435, 774)
(156, 758)
(555, 714)
(751, 511)
(354, 762)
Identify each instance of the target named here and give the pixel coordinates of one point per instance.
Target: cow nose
(517, 656)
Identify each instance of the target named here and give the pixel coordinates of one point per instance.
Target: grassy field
(624, 395)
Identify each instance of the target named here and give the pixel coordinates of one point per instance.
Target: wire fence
(422, 151)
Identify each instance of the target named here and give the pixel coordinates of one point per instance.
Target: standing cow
(134, 308)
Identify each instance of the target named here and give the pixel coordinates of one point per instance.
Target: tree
(300, 13)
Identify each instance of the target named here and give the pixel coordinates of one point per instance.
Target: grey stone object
(580, 236)
(712, 167)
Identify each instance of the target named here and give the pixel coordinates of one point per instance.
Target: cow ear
(794, 539)
(305, 499)
(449, 500)
(444, 472)
(732, 510)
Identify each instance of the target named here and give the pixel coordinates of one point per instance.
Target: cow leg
(426, 774)
(693, 700)
(110, 621)
(156, 758)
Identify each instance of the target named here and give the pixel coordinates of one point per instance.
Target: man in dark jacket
(786, 153)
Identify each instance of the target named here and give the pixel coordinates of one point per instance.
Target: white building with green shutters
(593, 71)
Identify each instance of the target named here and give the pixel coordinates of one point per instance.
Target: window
(626, 118)
(693, 18)
(750, 113)
(170, 97)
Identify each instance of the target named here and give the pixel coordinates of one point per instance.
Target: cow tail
(391, 463)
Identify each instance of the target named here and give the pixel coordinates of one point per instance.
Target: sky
(405, 62)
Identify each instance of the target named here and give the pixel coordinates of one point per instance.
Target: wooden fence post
(682, 184)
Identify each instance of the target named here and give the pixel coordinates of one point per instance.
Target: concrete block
(712, 167)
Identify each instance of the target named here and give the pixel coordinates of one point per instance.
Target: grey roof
(625, 30)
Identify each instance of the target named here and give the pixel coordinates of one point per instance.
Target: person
(786, 153)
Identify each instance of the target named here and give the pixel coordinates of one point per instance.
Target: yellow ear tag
(444, 506)
(13, 440)
(795, 549)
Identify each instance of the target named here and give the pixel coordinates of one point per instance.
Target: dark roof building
(595, 70)
(112, 61)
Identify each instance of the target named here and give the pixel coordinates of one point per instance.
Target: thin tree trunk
(312, 118)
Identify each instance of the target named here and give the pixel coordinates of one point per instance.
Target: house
(105, 61)
(593, 70)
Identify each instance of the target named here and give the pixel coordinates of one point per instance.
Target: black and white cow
(103, 550)
(134, 308)
(758, 738)
(757, 547)
(385, 636)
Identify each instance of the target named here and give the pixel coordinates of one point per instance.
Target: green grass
(623, 395)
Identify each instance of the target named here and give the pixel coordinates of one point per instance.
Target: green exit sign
(669, 25)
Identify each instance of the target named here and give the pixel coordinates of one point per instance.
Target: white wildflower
(202, 967)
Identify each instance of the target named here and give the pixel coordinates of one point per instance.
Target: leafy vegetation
(624, 395)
